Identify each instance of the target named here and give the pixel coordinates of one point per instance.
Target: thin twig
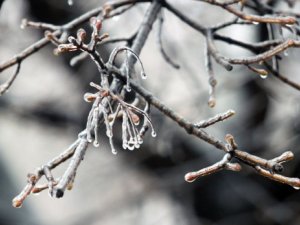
(217, 118)
(167, 58)
(4, 87)
(70, 172)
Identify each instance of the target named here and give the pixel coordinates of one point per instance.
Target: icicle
(153, 133)
(263, 76)
(124, 130)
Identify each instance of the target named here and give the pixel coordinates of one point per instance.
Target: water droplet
(124, 146)
(143, 75)
(139, 139)
(136, 145)
(89, 139)
(255, 23)
(263, 76)
(18, 206)
(70, 2)
(296, 188)
(130, 141)
(131, 147)
(109, 133)
(113, 151)
(212, 102)
(96, 144)
(36, 193)
(285, 53)
(17, 203)
(128, 88)
(153, 133)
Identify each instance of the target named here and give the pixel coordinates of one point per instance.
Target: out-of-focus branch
(253, 18)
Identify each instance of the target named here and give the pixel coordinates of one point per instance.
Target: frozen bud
(56, 51)
(211, 102)
(81, 35)
(31, 178)
(17, 203)
(89, 97)
(190, 177)
(135, 118)
(97, 23)
(65, 48)
(24, 23)
(230, 140)
(48, 35)
(106, 10)
(70, 186)
(286, 156)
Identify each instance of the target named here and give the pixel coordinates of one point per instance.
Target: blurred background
(44, 111)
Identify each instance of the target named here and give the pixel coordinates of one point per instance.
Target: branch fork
(224, 163)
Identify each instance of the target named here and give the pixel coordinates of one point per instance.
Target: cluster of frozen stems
(108, 102)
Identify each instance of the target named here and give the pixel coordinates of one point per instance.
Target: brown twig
(254, 18)
(224, 163)
(4, 87)
(167, 58)
(217, 118)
